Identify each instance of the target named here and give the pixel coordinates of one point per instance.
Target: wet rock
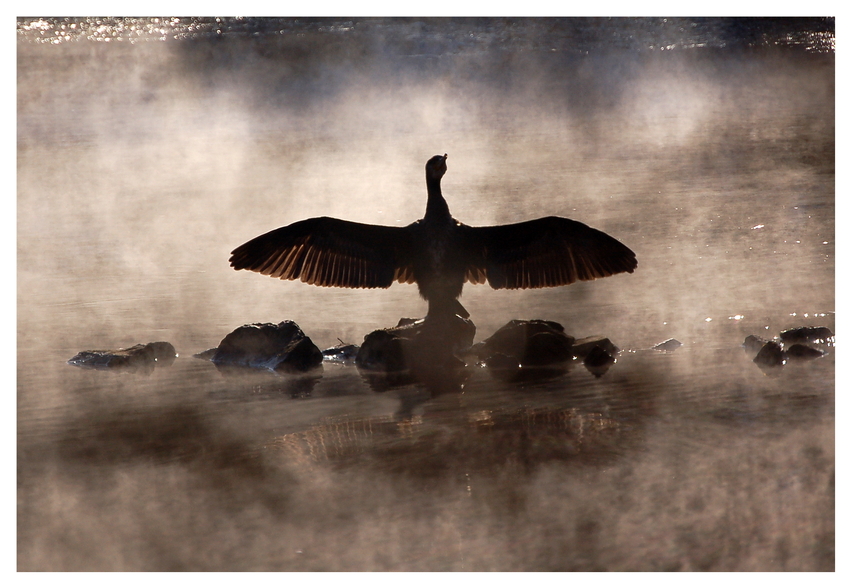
(668, 346)
(770, 356)
(547, 348)
(344, 354)
(598, 361)
(384, 350)
(583, 346)
(140, 358)
(531, 342)
(597, 354)
(417, 351)
(282, 348)
(527, 349)
(753, 344)
(206, 355)
(806, 334)
(801, 352)
(416, 345)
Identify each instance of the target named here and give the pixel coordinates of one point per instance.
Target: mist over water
(148, 150)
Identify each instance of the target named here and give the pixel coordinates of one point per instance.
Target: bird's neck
(437, 207)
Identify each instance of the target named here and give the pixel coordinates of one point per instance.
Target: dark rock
(527, 350)
(384, 350)
(508, 368)
(583, 346)
(417, 351)
(283, 348)
(753, 344)
(668, 346)
(806, 334)
(598, 361)
(345, 354)
(206, 355)
(770, 356)
(416, 344)
(546, 348)
(801, 352)
(141, 358)
(520, 339)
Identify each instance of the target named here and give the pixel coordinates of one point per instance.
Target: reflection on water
(142, 164)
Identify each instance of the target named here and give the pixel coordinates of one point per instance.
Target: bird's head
(436, 166)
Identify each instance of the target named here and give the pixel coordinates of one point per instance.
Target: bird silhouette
(438, 253)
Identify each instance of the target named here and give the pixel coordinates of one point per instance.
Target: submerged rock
(801, 352)
(753, 344)
(668, 346)
(282, 348)
(598, 361)
(140, 358)
(523, 349)
(770, 355)
(806, 334)
(596, 353)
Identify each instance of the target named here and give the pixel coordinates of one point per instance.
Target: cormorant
(438, 253)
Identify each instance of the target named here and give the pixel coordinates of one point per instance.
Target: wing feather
(330, 252)
(546, 252)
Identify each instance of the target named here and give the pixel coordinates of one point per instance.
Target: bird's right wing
(545, 252)
(330, 252)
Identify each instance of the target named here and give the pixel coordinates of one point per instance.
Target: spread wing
(330, 252)
(543, 253)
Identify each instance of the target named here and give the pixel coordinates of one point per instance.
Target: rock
(583, 346)
(282, 348)
(598, 361)
(206, 355)
(532, 342)
(770, 356)
(668, 346)
(806, 334)
(547, 348)
(383, 350)
(344, 354)
(417, 351)
(417, 345)
(753, 344)
(597, 353)
(141, 358)
(527, 349)
(801, 352)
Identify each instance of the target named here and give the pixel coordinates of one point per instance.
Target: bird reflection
(438, 253)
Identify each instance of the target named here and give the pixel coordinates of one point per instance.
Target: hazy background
(149, 149)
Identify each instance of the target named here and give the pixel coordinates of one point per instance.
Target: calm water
(148, 150)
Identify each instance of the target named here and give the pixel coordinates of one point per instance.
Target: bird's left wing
(330, 252)
(544, 252)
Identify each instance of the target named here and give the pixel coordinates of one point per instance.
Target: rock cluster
(793, 345)
(434, 353)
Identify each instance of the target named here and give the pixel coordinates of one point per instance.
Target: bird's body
(438, 253)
